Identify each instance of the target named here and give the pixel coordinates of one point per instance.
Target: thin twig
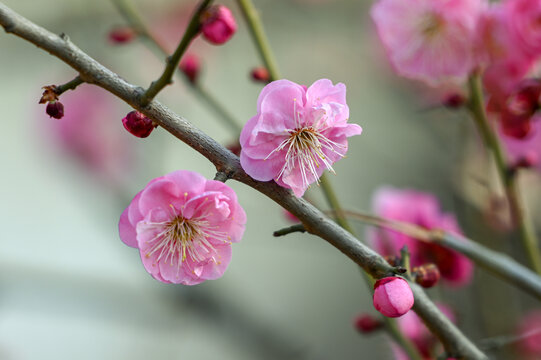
(315, 221)
(495, 262)
(508, 178)
(260, 39)
(70, 85)
(172, 62)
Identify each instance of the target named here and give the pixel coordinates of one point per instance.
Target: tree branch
(495, 262)
(315, 222)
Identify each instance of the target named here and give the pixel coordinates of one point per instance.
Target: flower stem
(134, 19)
(172, 61)
(509, 180)
(70, 85)
(258, 33)
(132, 16)
(334, 203)
(218, 108)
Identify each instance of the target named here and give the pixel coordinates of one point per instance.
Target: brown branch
(315, 222)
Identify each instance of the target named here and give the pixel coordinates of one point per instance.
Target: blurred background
(69, 288)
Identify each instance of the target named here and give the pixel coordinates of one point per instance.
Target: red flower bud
(365, 323)
(218, 24)
(190, 66)
(454, 101)
(426, 275)
(260, 74)
(55, 109)
(392, 296)
(121, 35)
(138, 124)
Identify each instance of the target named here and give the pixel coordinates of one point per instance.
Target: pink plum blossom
(89, 133)
(525, 25)
(297, 134)
(506, 63)
(392, 296)
(183, 226)
(429, 40)
(421, 209)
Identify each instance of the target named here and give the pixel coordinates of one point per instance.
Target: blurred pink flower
(415, 330)
(297, 133)
(525, 26)
(392, 296)
(183, 226)
(91, 133)
(429, 40)
(505, 61)
(421, 209)
(529, 329)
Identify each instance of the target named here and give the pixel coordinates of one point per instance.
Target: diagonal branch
(315, 222)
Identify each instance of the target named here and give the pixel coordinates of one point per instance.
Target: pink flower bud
(260, 74)
(190, 66)
(392, 296)
(138, 124)
(218, 24)
(454, 101)
(426, 275)
(121, 35)
(365, 323)
(55, 109)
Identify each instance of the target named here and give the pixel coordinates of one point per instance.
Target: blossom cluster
(441, 42)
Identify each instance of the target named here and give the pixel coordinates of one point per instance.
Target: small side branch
(173, 61)
(289, 230)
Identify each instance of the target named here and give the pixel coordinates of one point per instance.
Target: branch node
(221, 176)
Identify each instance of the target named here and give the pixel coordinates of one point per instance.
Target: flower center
(305, 151)
(431, 25)
(183, 239)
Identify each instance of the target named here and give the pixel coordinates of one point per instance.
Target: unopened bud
(392, 296)
(190, 66)
(121, 35)
(426, 275)
(138, 124)
(55, 109)
(454, 101)
(365, 323)
(218, 24)
(260, 74)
